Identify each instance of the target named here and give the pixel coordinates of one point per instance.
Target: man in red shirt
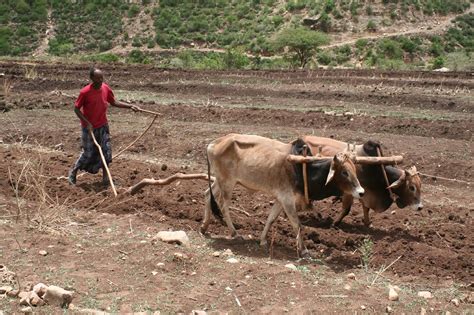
(91, 108)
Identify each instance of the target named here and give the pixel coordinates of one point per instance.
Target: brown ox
(405, 184)
(261, 164)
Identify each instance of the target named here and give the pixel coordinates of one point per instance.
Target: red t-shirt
(93, 104)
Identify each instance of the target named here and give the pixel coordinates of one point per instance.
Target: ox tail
(216, 211)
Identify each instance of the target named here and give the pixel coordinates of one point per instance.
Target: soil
(102, 247)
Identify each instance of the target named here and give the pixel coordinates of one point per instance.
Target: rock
(232, 260)
(423, 311)
(388, 310)
(347, 287)
(35, 300)
(425, 294)
(228, 289)
(216, 254)
(196, 312)
(161, 265)
(351, 276)
(362, 307)
(393, 212)
(178, 237)
(13, 293)
(40, 289)
(395, 287)
(227, 252)
(24, 298)
(455, 302)
(27, 310)
(392, 294)
(180, 257)
(154, 273)
(291, 266)
(89, 311)
(5, 289)
(43, 252)
(57, 296)
(447, 313)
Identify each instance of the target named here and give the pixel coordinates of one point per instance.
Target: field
(102, 247)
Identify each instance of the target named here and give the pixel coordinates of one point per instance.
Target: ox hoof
(203, 229)
(368, 224)
(305, 254)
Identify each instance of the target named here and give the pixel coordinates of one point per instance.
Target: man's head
(96, 77)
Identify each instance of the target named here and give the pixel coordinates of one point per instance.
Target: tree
(300, 42)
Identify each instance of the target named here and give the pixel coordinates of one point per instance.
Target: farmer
(91, 108)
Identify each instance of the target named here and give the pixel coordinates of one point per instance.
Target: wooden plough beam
(151, 181)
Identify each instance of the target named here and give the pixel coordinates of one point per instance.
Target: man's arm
(83, 118)
(124, 105)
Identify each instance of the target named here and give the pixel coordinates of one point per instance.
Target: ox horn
(411, 171)
(398, 182)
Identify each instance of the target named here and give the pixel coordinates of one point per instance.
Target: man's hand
(135, 108)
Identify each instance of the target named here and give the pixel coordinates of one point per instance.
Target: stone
(347, 287)
(232, 261)
(13, 293)
(351, 276)
(227, 252)
(5, 289)
(425, 294)
(216, 254)
(423, 311)
(175, 237)
(392, 294)
(388, 310)
(35, 300)
(40, 289)
(27, 310)
(57, 296)
(180, 256)
(291, 267)
(455, 302)
(362, 307)
(196, 312)
(43, 252)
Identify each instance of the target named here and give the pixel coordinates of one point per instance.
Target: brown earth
(100, 246)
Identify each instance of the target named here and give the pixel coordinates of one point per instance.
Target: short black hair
(92, 70)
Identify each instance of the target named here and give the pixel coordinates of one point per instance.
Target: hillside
(142, 30)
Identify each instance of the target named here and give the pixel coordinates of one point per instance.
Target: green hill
(145, 31)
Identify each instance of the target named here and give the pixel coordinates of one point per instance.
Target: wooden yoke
(370, 160)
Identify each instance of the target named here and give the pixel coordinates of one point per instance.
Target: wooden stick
(371, 160)
(103, 162)
(138, 138)
(151, 181)
(384, 269)
(305, 176)
(374, 160)
(379, 153)
(149, 112)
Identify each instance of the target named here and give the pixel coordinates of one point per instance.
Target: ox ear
(398, 182)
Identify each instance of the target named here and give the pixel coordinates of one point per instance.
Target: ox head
(408, 189)
(342, 174)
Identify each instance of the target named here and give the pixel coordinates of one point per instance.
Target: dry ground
(102, 247)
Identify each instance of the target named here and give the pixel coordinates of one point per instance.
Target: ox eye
(412, 188)
(345, 173)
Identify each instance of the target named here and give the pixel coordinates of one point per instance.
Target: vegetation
(248, 32)
(300, 43)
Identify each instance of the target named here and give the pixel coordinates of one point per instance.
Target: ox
(261, 164)
(405, 184)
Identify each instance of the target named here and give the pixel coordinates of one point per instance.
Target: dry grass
(35, 203)
(6, 87)
(30, 72)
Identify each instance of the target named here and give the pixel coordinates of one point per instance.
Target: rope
(444, 178)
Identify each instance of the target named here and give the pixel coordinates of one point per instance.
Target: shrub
(390, 49)
(133, 11)
(361, 43)
(371, 26)
(324, 58)
(438, 62)
(104, 58)
(105, 45)
(234, 59)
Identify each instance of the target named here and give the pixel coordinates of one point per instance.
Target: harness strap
(392, 195)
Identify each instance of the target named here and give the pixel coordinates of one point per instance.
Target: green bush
(361, 43)
(324, 58)
(235, 60)
(438, 62)
(105, 45)
(137, 56)
(390, 49)
(133, 11)
(103, 58)
(371, 26)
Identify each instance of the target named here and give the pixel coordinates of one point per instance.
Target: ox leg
(289, 206)
(347, 201)
(366, 216)
(274, 213)
(207, 212)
